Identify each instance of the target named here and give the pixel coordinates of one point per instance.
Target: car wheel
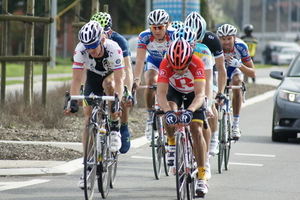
(275, 136)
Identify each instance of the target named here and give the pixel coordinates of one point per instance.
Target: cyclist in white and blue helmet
(106, 22)
(186, 33)
(99, 61)
(177, 24)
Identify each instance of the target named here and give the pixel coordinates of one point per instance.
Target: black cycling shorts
(185, 99)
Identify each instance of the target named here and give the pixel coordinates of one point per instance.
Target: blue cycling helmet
(185, 32)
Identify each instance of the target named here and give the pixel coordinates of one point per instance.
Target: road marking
(258, 155)
(248, 164)
(14, 185)
(141, 157)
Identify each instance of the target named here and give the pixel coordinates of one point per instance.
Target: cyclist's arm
(208, 85)
(248, 68)
(222, 76)
(199, 90)
(119, 84)
(128, 72)
(161, 93)
(76, 81)
(140, 60)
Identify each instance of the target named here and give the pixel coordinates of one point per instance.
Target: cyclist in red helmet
(181, 74)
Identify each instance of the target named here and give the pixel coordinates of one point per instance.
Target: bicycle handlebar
(82, 97)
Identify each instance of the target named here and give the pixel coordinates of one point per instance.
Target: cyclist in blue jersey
(155, 41)
(206, 51)
(238, 62)
(106, 22)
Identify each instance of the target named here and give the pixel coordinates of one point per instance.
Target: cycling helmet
(104, 19)
(177, 24)
(198, 23)
(226, 30)
(179, 54)
(90, 33)
(186, 33)
(158, 16)
(248, 28)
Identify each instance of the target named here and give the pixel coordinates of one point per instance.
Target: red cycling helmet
(179, 54)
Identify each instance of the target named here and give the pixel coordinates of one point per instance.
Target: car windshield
(295, 68)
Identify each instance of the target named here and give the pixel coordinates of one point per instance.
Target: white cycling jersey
(112, 59)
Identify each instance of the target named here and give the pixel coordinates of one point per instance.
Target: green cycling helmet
(104, 19)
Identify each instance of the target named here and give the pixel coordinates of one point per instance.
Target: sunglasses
(92, 46)
(157, 27)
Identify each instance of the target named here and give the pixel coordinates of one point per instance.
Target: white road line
(141, 157)
(258, 155)
(247, 164)
(14, 185)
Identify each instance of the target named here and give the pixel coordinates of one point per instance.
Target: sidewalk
(39, 168)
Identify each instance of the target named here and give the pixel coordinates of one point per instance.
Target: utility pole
(53, 34)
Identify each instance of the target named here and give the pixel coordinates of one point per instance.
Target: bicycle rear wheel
(90, 163)
(180, 167)
(222, 139)
(104, 172)
(114, 166)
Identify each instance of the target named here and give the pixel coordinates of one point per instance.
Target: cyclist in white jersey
(155, 41)
(106, 22)
(238, 62)
(103, 61)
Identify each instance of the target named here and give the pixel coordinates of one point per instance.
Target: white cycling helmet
(177, 24)
(226, 30)
(158, 16)
(90, 33)
(186, 33)
(198, 23)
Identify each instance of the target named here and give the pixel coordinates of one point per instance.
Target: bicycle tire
(180, 168)
(222, 140)
(114, 167)
(90, 163)
(157, 153)
(228, 145)
(104, 171)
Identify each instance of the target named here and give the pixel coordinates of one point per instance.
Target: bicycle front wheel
(228, 145)
(180, 167)
(90, 163)
(222, 139)
(157, 149)
(104, 172)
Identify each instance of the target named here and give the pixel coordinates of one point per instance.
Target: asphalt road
(259, 170)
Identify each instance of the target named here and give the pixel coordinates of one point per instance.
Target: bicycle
(225, 117)
(159, 140)
(98, 160)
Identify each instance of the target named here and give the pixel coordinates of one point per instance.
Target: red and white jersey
(184, 83)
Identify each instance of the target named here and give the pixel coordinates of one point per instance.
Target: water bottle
(100, 139)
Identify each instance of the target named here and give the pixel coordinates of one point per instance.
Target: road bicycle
(99, 162)
(186, 170)
(158, 138)
(225, 118)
